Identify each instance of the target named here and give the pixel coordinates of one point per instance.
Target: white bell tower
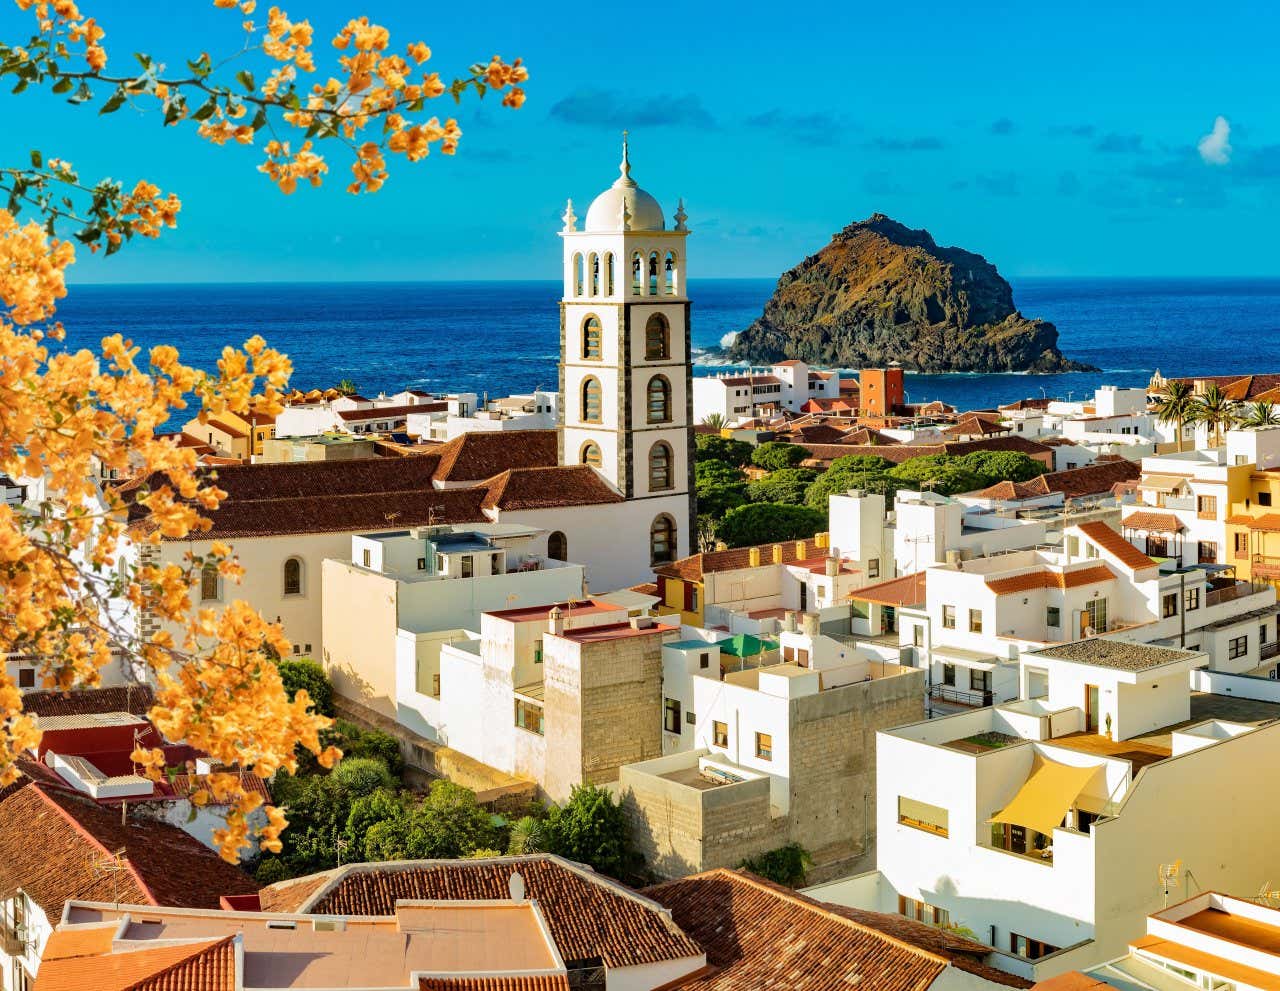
(626, 378)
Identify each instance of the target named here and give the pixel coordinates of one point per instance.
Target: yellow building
(1253, 529)
(749, 580)
(232, 435)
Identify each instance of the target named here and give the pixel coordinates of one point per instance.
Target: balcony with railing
(1266, 566)
(13, 940)
(971, 698)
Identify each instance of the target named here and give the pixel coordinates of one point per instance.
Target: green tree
(347, 387)
(776, 455)
(1175, 406)
(862, 462)
(713, 447)
(450, 823)
(786, 865)
(714, 420)
(836, 481)
(768, 522)
(528, 835)
(307, 674)
(786, 485)
(357, 742)
(591, 828)
(317, 806)
(937, 473)
(1213, 409)
(720, 487)
(366, 812)
(1001, 466)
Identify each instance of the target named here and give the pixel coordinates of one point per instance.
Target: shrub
(299, 674)
(270, 870)
(786, 865)
(361, 776)
(768, 522)
(1001, 466)
(776, 455)
(591, 828)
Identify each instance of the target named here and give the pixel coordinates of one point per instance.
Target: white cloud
(1215, 147)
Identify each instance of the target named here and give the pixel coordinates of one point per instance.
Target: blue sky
(1055, 139)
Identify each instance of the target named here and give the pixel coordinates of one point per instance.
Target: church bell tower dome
(642, 212)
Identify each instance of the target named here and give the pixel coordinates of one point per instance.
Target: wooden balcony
(1265, 566)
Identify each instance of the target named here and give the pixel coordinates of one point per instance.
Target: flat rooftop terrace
(1236, 928)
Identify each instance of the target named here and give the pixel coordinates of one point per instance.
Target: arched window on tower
(595, 274)
(660, 467)
(662, 540)
(637, 272)
(577, 275)
(293, 576)
(657, 338)
(608, 273)
(591, 400)
(653, 273)
(659, 400)
(558, 546)
(669, 266)
(591, 454)
(591, 337)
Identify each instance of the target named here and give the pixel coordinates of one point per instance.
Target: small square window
(689, 719)
(26, 677)
(948, 617)
(764, 746)
(704, 660)
(422, 564)
(720, 733)
(1053, 616)
(1264, 498)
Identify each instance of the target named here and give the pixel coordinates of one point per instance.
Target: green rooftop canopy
(745, 645)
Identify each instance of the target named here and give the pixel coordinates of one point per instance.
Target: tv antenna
(1167, 875)
(113, 865)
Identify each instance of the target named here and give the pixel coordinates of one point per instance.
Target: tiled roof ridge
(812, 904)
(79, 828)
(200, 947)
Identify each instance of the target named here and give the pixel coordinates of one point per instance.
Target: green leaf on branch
(114, 103)
(37, 160)
(246, 79)
(206, 109)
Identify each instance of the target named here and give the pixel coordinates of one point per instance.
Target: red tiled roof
(545, 982)
(1072, 980)
(229, 429)
(1266, 521)
(1048, 578)
(646, 588)
(549, 488)
(588, 914)
(909, 590)
(1014, 490)
(166, 866)
(83, 701)
(305, 479)
(760, 935)
(1152, 522)
(202, 965)
(1095, 479)
(1109, 540)
(692, 568)
(477, 456)
(975, 424)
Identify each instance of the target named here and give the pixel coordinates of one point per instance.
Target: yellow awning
(1161, 483)
(1043, 802)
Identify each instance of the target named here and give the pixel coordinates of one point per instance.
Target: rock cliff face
(882, 292)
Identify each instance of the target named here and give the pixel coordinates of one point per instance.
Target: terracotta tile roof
(548, 488)
(477, 456)
(136, 700)
(1094, 479)
(646, 588)
(1014, 490)
(909, 590)
(1028, 404)
(1152, 522)
(789, 363)
(338, 514)
(88, 942)
(974, 424)
(1111, 542)
(546, 982)
(692, 568)
(760, 935)
(1048, 578)
(305, 479)
(588, 914)
(204, 965)
(1266, 521)
(1072, 980)
(166, 866)
(390, 412)
(963, 953)
(227, 428)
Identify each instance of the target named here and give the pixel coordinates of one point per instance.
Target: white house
(1052, 825)
(737, 395)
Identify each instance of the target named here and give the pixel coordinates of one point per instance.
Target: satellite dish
(515, 886)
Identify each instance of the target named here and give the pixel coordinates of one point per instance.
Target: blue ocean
(502, 337)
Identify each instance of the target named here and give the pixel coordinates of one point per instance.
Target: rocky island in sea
(882, 292)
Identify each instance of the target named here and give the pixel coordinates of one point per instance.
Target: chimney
(777, 553)
(802, 550)
(789, 622)
(809, 624)
(833, 565)
(821, 539)
(753, 557)
(642, 622)
(555, 621)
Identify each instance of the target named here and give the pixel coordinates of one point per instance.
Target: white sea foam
(728, 339)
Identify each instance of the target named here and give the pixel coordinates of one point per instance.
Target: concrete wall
(360, 635)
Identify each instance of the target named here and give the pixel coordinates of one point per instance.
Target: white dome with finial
(642, 211)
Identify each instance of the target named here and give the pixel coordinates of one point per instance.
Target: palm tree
(347, 387)
(715, 420)
(1174, 406)
(1215, 411)
(1263, 413)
